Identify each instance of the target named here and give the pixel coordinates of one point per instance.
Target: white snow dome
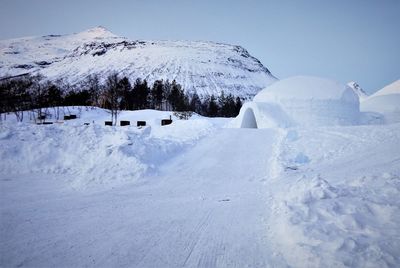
(301, 100)
(386, 102)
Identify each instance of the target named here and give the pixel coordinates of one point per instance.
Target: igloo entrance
(249, 120)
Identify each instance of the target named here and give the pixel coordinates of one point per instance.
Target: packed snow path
(205, 208)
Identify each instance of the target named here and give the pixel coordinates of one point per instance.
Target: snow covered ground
(197, 194)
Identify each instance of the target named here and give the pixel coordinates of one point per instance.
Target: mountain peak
(98, 32)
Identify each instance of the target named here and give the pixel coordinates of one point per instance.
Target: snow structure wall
(301, 100)
(358, 90)
(385, 102)
(199, 66)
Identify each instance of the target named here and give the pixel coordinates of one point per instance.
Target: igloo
(300, 101)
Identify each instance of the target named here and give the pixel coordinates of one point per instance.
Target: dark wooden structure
(141, 123)
(124, 123)
(108, 123)
(69, 117)
(165, 122)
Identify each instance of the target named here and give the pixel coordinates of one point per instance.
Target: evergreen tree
(177, 97)
(157, 94)
(238, 105)
(212, 110)
(140, 94)
(195, 104)
(125, 89)
(227, 106)
(167, 91)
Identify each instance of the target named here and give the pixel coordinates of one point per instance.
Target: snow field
(335, 203)
(196, 194)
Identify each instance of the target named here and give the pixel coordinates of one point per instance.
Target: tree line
(116, 93)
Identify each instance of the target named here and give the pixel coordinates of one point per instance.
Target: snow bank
(95, 154)
(386, 102)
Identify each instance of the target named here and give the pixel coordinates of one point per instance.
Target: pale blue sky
(340, 39)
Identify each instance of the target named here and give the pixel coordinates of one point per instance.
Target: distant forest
(27, 92)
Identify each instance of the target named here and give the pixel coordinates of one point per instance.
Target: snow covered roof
(306, 88)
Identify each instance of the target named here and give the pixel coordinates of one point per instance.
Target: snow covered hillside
(197, 194)
(205, 67)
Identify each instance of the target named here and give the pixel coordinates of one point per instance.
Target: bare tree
(112, 96)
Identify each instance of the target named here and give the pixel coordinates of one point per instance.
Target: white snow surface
(196, 194)
(199, 66)
(393, 88)
(306, 88)
(385, 102)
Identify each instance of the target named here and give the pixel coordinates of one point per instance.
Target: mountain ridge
(203, 67)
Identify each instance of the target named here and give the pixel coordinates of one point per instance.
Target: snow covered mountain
(204, 67)
(358, 90)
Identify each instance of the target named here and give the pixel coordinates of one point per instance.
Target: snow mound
(303, 101)
(386, 102)
(95, 155)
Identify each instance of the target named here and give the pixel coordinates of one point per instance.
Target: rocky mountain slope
(204, 67)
